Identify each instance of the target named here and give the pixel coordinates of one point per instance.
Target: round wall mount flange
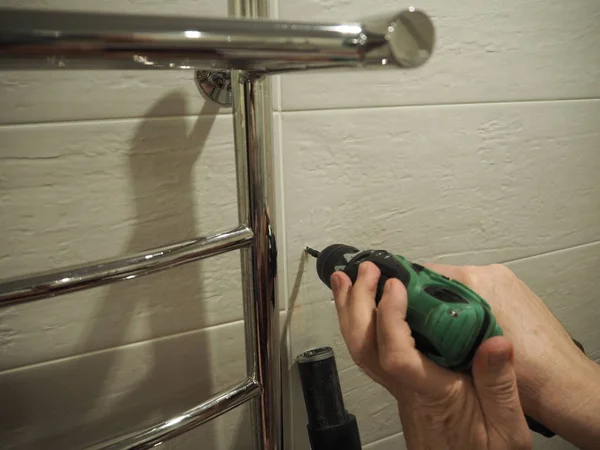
(215, 86)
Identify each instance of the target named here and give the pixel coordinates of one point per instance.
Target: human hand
(438, 408)
(558, 385)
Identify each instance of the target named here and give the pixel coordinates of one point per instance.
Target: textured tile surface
(492, 183)
(486, 51)
(73, 193)
(572, 298)
(460, 184)
(76, 401)
(395, 442)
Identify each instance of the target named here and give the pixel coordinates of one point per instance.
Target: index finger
(341, 287)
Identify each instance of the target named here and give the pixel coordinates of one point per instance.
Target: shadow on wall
(165, 212)
(171, 378)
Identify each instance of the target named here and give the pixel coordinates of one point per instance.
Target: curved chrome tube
(73, 279)
(175, 426)
(247, 46)
(65, 40)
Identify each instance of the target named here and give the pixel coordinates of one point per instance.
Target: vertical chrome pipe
(258, 262)
(252, 117)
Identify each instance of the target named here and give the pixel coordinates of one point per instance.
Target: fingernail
(388, 286)
(335, 283)
(363, 268)
(497, 361)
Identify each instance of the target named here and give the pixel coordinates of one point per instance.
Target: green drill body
(447, 319)
(452, 318)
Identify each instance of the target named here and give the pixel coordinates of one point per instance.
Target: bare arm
(559, 386)
(572, 406)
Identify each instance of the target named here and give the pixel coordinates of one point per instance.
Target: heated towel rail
(244, 49)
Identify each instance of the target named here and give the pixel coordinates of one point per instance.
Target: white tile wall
(485, 52)
(71, 402)
(394, 442)
(462, 184)
(75, 192)
(500, 165)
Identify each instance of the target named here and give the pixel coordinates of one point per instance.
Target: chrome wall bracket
(215, 86)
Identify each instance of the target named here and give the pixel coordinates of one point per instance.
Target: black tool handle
(329, 426)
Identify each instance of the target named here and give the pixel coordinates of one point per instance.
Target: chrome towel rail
(87, 276)
(107, 41)
(248, 47)
(188, 420)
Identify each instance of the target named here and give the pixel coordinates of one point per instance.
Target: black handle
(330, 426)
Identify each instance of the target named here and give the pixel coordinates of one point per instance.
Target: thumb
(496, 385)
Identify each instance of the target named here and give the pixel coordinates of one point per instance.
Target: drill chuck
(332, 258)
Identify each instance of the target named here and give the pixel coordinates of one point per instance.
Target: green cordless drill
(448, 320)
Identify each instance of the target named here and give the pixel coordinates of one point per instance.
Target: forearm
(571, 407)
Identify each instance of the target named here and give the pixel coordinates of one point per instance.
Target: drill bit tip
(312, 251)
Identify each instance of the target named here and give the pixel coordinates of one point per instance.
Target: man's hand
(438, 408)
(558, 385)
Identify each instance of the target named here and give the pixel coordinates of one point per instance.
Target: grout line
(281, 207)
(287, 420)
(551, 252)
(384, 439)
(121, 346)
(110, 119)
(434, 105)
(279, 93)
(274, 6)
(300, 111)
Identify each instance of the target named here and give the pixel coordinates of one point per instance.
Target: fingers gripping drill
(448, 320)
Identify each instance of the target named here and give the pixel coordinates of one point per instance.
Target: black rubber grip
(330, 425)
(343, 437)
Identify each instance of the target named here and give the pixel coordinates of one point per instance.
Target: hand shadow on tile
(161, 168)
(162, 157)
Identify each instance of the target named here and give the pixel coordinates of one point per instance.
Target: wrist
(569, 403)
(448, 423)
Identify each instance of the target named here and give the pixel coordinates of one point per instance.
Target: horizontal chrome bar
(210, 409)
(66, 40)
(77, 278)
